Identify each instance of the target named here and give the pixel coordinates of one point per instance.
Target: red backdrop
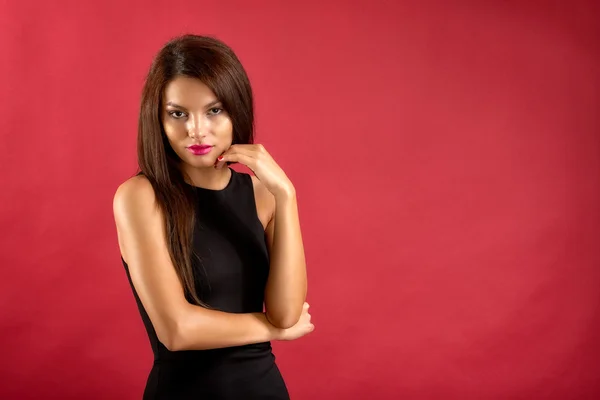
(447, 160)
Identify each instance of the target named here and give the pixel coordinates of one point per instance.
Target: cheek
(224, 127)
(173, 131)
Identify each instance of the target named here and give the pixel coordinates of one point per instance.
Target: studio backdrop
(446, 156)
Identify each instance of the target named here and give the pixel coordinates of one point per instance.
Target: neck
(207, 178)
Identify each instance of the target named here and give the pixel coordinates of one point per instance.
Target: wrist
(277, 334)
(285, 192)
(273, 332)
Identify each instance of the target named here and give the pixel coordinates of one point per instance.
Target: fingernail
(220, 158)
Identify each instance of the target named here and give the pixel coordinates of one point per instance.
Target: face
(196, 125)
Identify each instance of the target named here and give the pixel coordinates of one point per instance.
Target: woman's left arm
(285, 291)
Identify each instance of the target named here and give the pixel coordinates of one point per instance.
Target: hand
(255, 157)
(303, 327)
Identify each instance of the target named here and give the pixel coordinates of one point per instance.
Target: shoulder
(134, 196)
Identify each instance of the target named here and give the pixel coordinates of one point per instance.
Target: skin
(191, 114)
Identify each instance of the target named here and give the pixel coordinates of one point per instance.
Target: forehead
(188, 92)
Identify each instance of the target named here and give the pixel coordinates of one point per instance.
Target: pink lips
(199, 149)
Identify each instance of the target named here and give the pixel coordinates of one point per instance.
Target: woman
(214, 257)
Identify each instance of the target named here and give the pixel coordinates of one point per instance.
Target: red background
(447, 160)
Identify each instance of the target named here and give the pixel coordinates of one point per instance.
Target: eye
(177, 114)
(215, 111)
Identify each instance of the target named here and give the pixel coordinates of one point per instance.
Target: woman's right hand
(303, 327)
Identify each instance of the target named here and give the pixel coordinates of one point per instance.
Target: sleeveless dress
(230, 241)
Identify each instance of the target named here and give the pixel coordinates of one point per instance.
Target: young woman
(214, 257)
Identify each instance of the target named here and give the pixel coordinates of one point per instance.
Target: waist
(211, 357)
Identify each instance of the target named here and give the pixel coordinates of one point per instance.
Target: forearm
(201, 329)
(286, 286)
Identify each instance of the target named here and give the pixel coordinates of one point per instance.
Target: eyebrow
(211, 104)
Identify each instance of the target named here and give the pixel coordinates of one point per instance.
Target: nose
(197, 127)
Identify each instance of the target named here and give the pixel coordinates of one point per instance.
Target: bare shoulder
(135, 213)
(135, 194)
(265, 201)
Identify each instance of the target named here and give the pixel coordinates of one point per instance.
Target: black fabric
(230, 276)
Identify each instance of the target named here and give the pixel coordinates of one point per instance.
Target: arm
(285, 291)
(286, 288)
(179, 325)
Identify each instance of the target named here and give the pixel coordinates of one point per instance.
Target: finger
(252, 150)
(241, 158)
(219, 164)
(236, 148)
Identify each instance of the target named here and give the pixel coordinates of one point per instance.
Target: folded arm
(286, 287)
(179, 325)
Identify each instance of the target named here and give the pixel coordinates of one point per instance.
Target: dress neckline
(207, 190)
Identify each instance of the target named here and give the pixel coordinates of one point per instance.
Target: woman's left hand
(256, 157)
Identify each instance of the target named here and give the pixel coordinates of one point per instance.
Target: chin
(205, 163)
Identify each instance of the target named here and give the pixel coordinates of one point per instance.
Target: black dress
(230, 240)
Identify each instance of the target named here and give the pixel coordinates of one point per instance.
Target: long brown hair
(215, 64)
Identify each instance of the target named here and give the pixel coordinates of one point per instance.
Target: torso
(230, 239)
(265, 207)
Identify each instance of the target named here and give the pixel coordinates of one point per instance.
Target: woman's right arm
(179, 325)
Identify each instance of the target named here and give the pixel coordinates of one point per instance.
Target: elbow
(284, 316)
(284, 321)
(173, 338)
(173, 343)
